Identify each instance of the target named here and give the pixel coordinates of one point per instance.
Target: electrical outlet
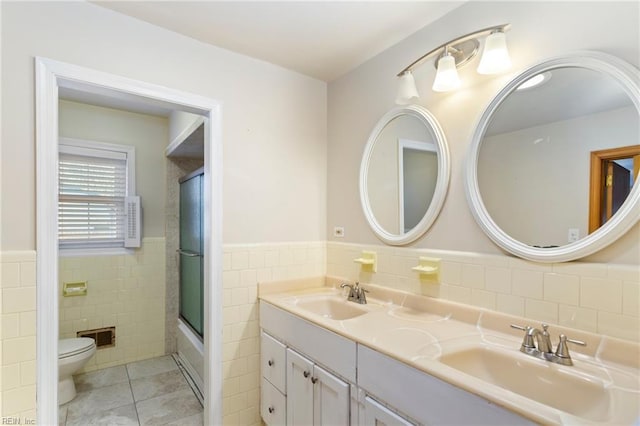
(574, 235)
(338, 231)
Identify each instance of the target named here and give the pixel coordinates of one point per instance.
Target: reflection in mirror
(537, 173)
(418, 173)
(404, 174)
(534, 164)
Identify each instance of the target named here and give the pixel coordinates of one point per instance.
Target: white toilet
(73, 354)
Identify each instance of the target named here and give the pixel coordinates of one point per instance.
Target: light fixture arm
(452, 45)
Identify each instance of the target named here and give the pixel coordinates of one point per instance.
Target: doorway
(50, 77)
(613, 173)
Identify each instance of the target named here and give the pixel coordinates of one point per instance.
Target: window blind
(92, 191)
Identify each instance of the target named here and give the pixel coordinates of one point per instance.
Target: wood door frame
(597, 176)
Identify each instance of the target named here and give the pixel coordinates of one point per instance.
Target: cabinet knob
(270, 362)
(314, 380)
(306, 374)
(271, 409)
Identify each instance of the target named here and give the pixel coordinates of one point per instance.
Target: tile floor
(149, 392)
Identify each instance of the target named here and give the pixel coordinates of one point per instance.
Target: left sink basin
(330, 306)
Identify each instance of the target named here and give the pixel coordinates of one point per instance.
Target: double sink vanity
(402, 358)
(332, 354)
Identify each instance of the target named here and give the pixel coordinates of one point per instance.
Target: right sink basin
(565, 388)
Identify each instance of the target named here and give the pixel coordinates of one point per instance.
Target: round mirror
(554, 158)
(404, 174)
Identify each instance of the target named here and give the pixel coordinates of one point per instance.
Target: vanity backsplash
(596, 297)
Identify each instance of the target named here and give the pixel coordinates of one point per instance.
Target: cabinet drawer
(273, 405)
(327, 348)
(273, 364)
(375, 414)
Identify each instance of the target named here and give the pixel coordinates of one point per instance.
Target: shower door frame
(50, 75)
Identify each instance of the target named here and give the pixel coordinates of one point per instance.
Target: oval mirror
(404, 174)
(554, 158)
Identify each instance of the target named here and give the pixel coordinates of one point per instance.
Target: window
(96, 206)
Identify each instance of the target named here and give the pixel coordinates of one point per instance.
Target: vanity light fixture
(454, 54)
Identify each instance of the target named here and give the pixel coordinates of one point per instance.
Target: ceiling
(322, 39)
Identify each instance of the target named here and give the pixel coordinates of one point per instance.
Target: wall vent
(104, 337)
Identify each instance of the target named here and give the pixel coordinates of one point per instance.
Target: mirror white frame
(441, 186)
(628, 77)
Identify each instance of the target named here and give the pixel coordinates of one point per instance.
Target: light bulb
(407, 91)
(495, 57)
(447, 75)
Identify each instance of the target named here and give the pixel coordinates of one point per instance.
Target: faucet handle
(527, 341)
(563, 351)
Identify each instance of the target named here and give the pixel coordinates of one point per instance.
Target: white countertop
(420, 331)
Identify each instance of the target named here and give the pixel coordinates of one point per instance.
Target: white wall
(148, 134)
(539, 30)
(274, 120)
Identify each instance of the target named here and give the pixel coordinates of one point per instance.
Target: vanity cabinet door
(376, 414)
(299, 389)
(330, 399)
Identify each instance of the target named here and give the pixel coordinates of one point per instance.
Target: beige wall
(148, 134)
(126, 292)
(274, 120)
(539, 30)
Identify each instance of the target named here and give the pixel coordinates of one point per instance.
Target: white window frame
(75, 146)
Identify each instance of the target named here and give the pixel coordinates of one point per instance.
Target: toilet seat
(71, 347)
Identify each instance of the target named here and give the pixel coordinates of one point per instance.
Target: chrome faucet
(537, 343)
(356, 293)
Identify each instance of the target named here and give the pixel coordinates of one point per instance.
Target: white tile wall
(244, 267)
(18, 335)
(125, 291)
(600, 298)
(597, 297)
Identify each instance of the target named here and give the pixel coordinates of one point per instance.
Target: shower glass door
(191, 251)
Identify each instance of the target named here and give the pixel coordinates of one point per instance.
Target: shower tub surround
(596, 297)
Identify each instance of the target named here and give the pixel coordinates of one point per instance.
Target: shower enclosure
(191, 251)
(190, 343)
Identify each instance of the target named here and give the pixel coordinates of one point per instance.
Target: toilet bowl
(73, 354)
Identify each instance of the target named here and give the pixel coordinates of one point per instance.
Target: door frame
(597, 177)
(50, 76)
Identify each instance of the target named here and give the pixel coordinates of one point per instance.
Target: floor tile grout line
(133, 397)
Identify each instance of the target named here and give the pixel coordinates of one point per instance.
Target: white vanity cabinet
(314, 395)
(297, 389)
